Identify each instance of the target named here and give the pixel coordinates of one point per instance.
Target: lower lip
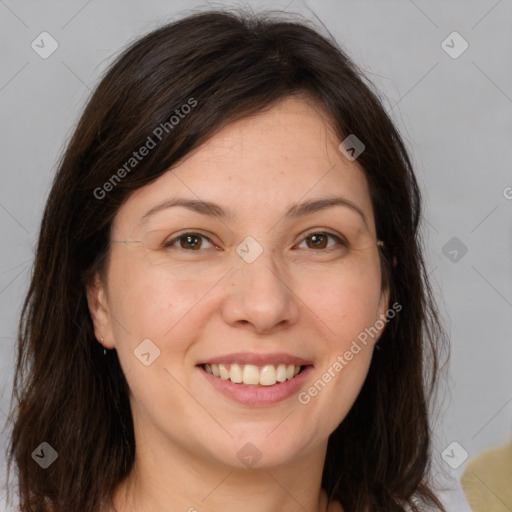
(258, 395)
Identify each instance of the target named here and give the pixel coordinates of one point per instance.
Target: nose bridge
(263, 273)
(259, 291)
(260, 274)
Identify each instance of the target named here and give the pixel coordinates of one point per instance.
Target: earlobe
(98, 309)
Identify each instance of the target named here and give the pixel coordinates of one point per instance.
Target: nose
(260, 297)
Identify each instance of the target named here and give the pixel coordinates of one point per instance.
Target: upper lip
(257, 359)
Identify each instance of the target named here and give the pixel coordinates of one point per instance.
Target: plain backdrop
(455, 115)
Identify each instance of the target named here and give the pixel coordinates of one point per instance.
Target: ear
(98, 308)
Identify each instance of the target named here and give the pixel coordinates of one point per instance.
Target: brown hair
(232, 65)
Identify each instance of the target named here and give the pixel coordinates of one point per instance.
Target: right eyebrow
(195, 205)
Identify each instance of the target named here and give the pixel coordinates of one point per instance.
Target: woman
(229, 307)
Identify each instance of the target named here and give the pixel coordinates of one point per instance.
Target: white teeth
(268, 375)
(281, 373)
(223, 372)
(250, 374)
(235, 374)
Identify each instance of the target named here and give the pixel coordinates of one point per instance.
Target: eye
(320, 239)
(188, 241)
(192, 241)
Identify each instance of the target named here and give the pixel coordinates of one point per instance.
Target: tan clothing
(487, 481)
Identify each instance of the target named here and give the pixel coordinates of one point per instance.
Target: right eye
(187, 241)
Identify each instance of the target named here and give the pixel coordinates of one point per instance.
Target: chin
(264, 448)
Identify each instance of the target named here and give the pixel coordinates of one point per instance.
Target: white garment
(454, 499)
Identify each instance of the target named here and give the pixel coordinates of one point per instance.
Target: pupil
(315, 237)
(191, 237)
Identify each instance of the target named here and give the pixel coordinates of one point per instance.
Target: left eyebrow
(296, 210)
(316, 205)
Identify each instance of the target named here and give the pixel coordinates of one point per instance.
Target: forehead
(292, 137)
(263, 164)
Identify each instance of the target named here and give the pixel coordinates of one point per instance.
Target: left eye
(319, 240)
(192, 241)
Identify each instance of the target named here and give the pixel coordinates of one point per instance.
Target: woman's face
(249, 293)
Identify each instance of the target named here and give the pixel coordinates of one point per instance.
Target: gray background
(455, 116)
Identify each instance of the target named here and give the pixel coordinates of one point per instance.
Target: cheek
(150, 302)
(347, 305)
(346, 300)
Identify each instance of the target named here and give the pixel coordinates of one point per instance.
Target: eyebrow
(296, 210)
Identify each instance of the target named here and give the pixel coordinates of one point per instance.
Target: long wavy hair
(232, 64)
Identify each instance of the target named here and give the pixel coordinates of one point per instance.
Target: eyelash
(339, 239)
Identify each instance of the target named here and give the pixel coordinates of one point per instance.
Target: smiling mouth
(253, 375)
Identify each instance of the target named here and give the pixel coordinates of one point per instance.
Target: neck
(177, 481)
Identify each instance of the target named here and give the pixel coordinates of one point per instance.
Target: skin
(198, 304)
